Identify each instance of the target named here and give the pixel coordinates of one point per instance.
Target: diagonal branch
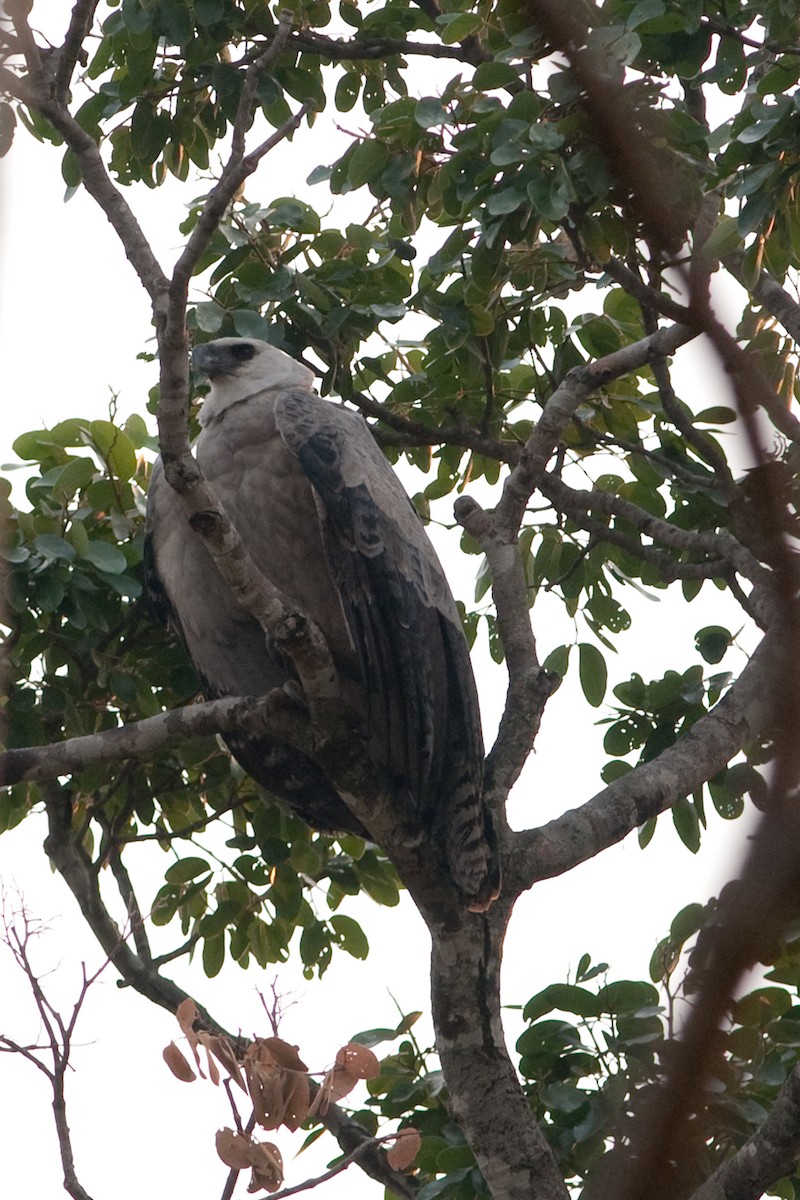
(239, 165)
(559, 410)
(719, 545)
(768, 292)
(767, 1156)
(741, 717)
(417, 433)
(362, 50)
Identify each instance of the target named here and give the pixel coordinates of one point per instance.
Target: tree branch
(239, 165)
(529, 687)
(73, 864)
(740, 717)
(768, 1154)
(769, 293)
(416, 433)
(559, 410)
(356, 50)
(646, 295)
(511, 1150)
(137, 740)
(59, 1035)
(719, 545)
(69, 53)
(354, 1156)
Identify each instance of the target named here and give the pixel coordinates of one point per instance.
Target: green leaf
(213, 955)
(373, 1037)
(430, 112)
(53, 547)
(116, 448)
(105, 556)
(366, 162)
(251, 325)
(685, 820)
(626, 996)
(74, 477)
(8, 123)
(557, 661)
(458, 26)
(490, 75)
(564, 997)
(347, 92)
(724, 239)
(350, 936)
(593, 673)
(186, 869)
(713, 642)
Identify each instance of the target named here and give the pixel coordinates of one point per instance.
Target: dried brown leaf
(223, 1051)
(213, 1069)
(267, 1167)
(178, 1064)
(405, 1149)
(265, 1085)
(234, 1149)
(337, 1083)
(186, 1014)
(358, 1061)
(279, 1052)
(297, 1099)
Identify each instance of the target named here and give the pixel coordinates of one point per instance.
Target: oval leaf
(593, 673)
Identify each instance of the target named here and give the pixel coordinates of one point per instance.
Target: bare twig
(354, 1156)
(60, 1031)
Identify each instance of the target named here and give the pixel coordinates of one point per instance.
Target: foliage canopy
(496, 264)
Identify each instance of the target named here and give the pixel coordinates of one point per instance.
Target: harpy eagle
(326, 520)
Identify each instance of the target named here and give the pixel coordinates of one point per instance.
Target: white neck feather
(269, 371)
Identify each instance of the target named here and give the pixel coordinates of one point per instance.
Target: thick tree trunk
(485, 1094)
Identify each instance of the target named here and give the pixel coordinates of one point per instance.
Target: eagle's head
(241, 367)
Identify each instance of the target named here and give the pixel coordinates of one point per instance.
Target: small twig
(59, 1034)
(342, 1165)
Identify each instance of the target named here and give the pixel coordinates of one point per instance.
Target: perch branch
(138, 740)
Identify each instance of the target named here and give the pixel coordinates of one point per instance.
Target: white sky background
(72, 319)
